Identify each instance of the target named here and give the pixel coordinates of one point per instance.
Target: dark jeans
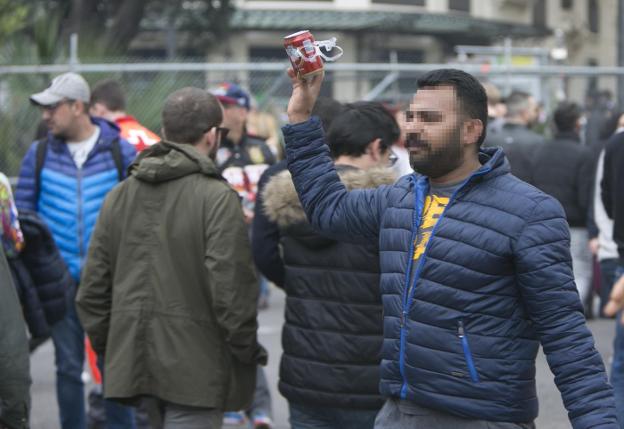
(117, 416)
(607, 278)
(617, 368)
(314, 417)
(261, 404)
(68, 339)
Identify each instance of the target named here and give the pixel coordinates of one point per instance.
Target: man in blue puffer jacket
(65, 181)
(476, 268)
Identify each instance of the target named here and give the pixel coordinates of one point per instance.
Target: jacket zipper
(80, 223)
(81, 252)
(474, 376)
(410, 284)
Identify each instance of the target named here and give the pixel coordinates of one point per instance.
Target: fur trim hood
(281, 202)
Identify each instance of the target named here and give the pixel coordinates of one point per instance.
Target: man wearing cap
(64, 178)
(242, 158)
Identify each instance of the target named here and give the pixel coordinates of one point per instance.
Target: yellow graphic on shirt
(434, 207)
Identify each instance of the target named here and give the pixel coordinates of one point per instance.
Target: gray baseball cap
(68, 86)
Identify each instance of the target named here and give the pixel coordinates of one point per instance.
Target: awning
(451, 24)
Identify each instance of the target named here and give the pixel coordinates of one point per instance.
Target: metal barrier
(147, 85)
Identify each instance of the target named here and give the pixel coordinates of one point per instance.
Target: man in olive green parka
(168, 294)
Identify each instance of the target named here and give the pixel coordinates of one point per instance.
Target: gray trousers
(183, 417)
(395, 416)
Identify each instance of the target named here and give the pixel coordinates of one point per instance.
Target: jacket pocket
(472, 369)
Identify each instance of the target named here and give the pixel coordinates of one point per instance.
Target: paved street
(552, 414)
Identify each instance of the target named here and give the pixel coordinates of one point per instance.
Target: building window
(539, 13)
(593, 16)
(459, 5)
(406, 2)
(567, 4)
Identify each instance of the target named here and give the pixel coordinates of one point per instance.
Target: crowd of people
(426, 253)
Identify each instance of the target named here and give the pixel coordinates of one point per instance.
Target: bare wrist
(296, 118)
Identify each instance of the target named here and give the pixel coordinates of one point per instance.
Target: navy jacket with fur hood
(495, 280)
(332, 337)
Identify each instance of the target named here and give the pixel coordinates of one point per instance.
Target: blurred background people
(108, 101)
(515, 135)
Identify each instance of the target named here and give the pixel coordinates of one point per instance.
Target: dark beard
(438, 162)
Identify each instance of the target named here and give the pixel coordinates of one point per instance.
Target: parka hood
(166, 161)
(281, 202)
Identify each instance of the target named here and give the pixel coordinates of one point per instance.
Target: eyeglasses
(222, 133)
(392, 158)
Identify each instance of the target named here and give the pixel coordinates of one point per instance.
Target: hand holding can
(305, 53)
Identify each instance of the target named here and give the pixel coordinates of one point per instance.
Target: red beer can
(303, 54)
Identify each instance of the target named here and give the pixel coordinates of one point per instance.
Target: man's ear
(374, 149)
(472, 130)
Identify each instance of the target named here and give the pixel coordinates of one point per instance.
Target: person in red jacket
(108, 101)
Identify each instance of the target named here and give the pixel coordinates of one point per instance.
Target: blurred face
(532, 112)
(234, 117)
(433, 129)
(98, 109)
(60, 117)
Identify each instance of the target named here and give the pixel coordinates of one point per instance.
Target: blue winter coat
(495, 280)
(70, 198)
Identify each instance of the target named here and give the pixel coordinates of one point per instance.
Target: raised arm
(348, 216)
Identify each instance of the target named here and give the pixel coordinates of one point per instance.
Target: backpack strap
(116, 152)
(40, 156)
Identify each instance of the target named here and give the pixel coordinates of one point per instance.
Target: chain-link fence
(148, 84)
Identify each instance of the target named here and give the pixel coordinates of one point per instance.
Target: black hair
(358, 125)
(470, 93)
(566, 116)
(327, 109)
(189, 113)
(110, 93)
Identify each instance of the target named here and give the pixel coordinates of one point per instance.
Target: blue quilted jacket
(70, 198)
(462, 327)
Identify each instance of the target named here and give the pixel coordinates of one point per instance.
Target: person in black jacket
(332, 337)
(515, 135)
(265, 233)
(563, 168)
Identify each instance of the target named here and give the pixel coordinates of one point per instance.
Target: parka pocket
(472, 369)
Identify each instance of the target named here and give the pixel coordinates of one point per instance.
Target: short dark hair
(358, 125)
(470, 93)
(517, 102)
(566, 116)
(110, 93)
(188, 113)
(327, 109)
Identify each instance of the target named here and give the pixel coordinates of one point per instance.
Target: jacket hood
(281, 202)
(166, 161)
